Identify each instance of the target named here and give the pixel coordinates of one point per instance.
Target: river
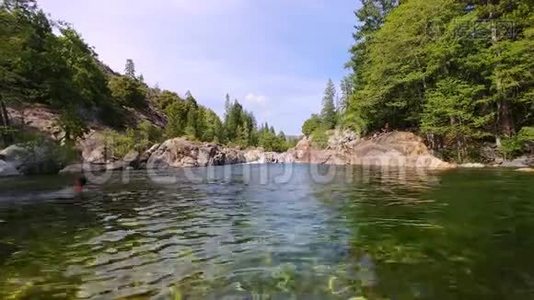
(267, 232)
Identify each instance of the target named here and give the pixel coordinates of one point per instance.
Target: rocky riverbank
(395, 149)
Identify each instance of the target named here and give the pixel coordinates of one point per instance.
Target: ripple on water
(300, 238)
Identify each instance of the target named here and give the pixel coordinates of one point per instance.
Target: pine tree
(347, 89)
(129, 69)
(328, 113)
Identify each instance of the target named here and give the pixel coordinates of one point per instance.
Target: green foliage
(328, 113)
(128, 91)
(330, 116)
(239, 125)
(451, 112)
(73, 126)
(270, 141)
(187, 118)
(138, 139)
(49, 62)
(166, 98)
(60, 70)
(320, 137)
(517, 144)
(311, 125)
(460, 72)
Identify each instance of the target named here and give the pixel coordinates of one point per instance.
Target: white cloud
(254, 99)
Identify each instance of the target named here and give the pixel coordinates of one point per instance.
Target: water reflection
(242, 232)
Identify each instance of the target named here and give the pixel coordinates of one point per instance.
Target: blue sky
(274, 56)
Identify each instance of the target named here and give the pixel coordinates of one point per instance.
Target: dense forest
(47, 62)
(459, 72)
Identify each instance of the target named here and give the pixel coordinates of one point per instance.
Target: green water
(377, 234)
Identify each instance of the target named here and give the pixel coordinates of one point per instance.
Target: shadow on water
(374, 233)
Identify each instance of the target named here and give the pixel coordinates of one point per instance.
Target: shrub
(138, 139)
(320, 138)
(128, 91)
(518, 144)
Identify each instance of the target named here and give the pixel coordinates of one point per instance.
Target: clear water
(373, 234)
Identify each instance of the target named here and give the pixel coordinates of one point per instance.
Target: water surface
(378, 234)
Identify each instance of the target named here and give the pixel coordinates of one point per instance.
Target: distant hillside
(55, 83)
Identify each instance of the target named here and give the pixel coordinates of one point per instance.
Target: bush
(311, 125)
(320, 138)
(518, 144)
(128, 91)
(139, 139)
(112, 115)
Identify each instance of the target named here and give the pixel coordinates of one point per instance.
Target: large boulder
(209, 155)
(30, 159)
(131, 159)
(180, 152)
(233, 156)
(7, 169)
(173, 153)
(94, 149)
(397, 149)
(520, 162)
(342, 139)
(254, 156)
(145, 156)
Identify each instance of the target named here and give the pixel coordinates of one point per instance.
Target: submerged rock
(526, 170)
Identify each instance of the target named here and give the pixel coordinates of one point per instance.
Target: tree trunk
(506, 123)
(6, 135)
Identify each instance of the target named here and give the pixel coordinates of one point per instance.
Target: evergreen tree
(464, 72)
(328, 113)
(347, 89)
(129, 69)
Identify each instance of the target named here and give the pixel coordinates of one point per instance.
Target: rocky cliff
(396, 149)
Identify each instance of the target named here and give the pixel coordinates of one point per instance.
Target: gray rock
(7, 169)
(179, 153)
(33, 159)
(520, 162)
(206, 155)
(234, 156)
(132, 159)
(16, 155)
(94, 149)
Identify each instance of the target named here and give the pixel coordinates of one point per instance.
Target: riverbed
(264, 231)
